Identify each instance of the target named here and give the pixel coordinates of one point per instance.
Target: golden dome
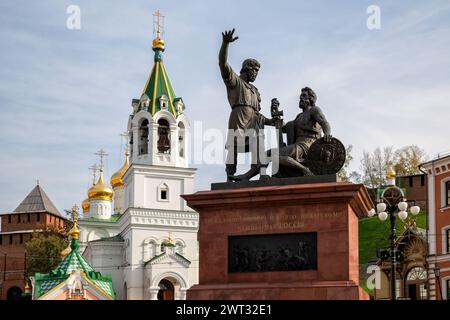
(85, 205)
(390, 173)
(100, 190)
(158, 43)
(74, 232)
(116, 179)
(168, 242)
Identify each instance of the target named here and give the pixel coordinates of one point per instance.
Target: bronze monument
(306, 153)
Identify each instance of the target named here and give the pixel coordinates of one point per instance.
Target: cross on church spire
(75, 214)
(93, 169)
(126, 136)
(101, 153)
(158, 23)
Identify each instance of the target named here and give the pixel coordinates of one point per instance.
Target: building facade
(34, 214)
(438, 184)
(142, 232)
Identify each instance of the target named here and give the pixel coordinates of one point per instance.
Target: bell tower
(157, 129)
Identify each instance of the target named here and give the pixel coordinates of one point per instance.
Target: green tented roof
(72, 262)
(159, 84)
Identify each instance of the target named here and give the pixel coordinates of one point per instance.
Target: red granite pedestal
(331, 210)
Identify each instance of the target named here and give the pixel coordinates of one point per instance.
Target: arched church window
(179, 247)
(163, 102)
(163, 136)
(181, 138)
(143, 137)
(163, 192)
(152, 249)
(416, 273)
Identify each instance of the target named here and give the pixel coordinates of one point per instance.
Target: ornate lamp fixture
(392, 202)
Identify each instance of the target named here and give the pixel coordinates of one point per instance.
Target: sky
(66, 93)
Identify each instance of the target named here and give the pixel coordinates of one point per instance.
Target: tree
(408, 159)
(342, 174)
(375, 165)
(44, 251)
(405, 161)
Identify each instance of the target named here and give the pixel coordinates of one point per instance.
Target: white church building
(139, 229)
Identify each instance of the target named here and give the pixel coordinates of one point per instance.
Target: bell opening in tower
(163, 136)
(143, 137)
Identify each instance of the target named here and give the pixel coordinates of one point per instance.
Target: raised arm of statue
(319, 117)
(225, 69)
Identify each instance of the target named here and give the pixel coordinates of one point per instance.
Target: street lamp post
(437, 273)
(393, 237)
(392, 201)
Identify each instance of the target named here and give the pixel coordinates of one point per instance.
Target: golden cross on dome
(126, 136)
(159, 23)
(94, 169)
(101, 153)
(75, 214)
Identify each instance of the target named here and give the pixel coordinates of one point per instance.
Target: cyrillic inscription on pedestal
(272, 252)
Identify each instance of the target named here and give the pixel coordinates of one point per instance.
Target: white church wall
(106, 258)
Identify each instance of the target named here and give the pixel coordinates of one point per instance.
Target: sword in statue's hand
(277, 119)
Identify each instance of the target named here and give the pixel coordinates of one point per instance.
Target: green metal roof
(112, 219)
(72, 262)
(159, 84)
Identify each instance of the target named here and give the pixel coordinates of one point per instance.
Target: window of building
(163, 102)
(10, 239)
(1, 239)
(447, 193)
(422, 180)
(18, 218)
(9, 219)
(28, 217)
(21, 238)
(151, 249)
(410, 182)
(38, 217)
(163, 192)
(447, 239)
(448, 289)
(179, 247)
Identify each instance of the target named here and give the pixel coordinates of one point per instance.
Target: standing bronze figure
(246, 123)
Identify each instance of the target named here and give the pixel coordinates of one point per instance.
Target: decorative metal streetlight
(392, 201)
(437, 274)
